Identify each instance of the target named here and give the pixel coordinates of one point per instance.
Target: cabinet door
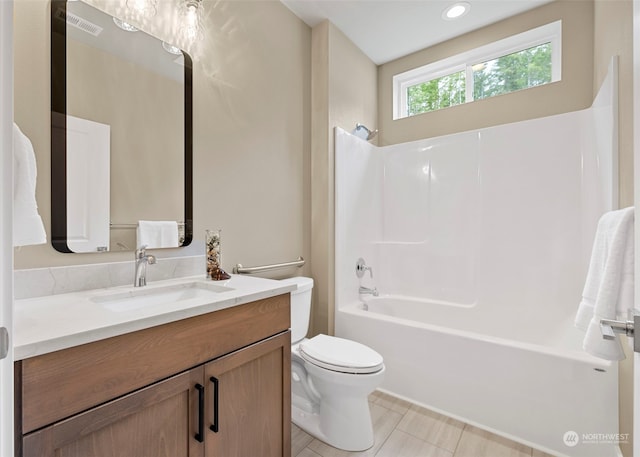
(249, 401)
(158, 421)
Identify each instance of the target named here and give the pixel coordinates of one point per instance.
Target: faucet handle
(141, 251)
(361, 267)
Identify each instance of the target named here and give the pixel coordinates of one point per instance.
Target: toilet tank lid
(302, 282)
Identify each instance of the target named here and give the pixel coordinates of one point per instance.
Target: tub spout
(366, 290)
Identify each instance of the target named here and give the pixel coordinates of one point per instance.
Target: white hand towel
(609, 287)
(157, 234)
(27, 223)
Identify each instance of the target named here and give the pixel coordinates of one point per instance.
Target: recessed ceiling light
(456, 10)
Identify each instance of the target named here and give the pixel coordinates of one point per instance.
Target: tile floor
(403, 429)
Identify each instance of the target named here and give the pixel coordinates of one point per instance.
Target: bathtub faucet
(365, 290)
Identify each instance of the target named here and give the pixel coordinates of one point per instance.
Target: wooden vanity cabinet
(158, 420)
(231, 404)
(246, 394)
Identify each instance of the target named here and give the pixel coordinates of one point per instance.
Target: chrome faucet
(142, 259)
(366, 290)
(361, 267)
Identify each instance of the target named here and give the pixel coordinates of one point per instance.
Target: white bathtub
(501, 374)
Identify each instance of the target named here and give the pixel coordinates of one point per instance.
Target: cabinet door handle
(214, 426)
(200, 435)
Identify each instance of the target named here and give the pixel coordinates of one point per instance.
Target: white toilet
(331, 379)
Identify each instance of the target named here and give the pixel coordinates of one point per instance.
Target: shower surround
(479, 244)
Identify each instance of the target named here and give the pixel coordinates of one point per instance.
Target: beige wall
(344, 84)
(572, 93)
(613, 29)
(251, 129)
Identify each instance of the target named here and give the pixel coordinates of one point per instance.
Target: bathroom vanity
(216, 383)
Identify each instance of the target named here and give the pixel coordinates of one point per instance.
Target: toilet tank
(300, 306)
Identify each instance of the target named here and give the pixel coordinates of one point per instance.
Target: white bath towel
(27, 223)
(609, 287)
(158, 234)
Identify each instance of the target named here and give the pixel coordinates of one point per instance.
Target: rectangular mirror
(121, 135)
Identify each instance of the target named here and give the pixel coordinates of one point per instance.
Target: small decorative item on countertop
(214, 270)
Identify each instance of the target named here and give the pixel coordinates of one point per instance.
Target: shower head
(363, 132)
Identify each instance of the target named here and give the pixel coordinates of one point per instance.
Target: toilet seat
(338, 354)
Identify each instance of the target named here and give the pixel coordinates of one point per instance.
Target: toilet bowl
(331, 379)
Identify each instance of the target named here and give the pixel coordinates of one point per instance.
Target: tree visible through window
(520, 70)
(522, 61)
(436, 94)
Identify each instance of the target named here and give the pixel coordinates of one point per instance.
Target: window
(530, 59)
(442, 92)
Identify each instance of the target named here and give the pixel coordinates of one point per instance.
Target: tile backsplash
(38, 282)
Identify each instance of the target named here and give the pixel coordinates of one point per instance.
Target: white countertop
(46, 324)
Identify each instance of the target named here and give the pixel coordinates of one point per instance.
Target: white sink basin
(143, 297)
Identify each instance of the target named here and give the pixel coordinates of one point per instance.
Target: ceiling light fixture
(456, 11)
(144, 8)
(124, 25)
(192, 19)
(171, 49)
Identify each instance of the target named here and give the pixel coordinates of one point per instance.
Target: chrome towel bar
(132, 226)
(239, 269)
(609, 328)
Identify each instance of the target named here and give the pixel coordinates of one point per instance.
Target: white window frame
(549, 33)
